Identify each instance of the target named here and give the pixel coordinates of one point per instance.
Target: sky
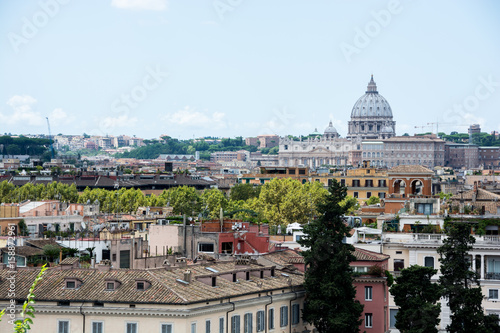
(227, 68)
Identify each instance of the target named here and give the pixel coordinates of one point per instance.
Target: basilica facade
(371, 119)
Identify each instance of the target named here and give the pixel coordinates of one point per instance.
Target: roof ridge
(160, 281)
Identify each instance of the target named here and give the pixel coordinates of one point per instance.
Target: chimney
(104, 266)
(187, 276)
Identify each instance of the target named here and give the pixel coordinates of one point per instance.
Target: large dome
(371, 104)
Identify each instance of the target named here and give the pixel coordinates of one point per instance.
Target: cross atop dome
(372, 87)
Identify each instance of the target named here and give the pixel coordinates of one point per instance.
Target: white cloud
(140, 4)
(59, 117)
(108, 124)
(191, 118)
(23, 112)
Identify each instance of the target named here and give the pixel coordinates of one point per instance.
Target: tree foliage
(417, 299)
(214, 200)
(330, 293)
(460, 283)
(244, 192)
(286, 200)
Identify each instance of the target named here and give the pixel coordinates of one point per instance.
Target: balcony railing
(492, 276)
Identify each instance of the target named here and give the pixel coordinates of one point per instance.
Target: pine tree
(417, 298)
(330, 294)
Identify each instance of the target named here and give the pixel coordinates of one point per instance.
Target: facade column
(474, 262)
(482, 266)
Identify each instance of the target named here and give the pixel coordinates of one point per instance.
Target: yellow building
(364, 182)
(361, 183)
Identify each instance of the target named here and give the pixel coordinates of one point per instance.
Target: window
(342, 182)
(295, 314)
(235, 324)
(493, 294)
(284, 316)
(355, 194)
(167, 328)
(271, 319)
(399, 264)
(429, 262)
(70, 284)
(392, 319)
(193, 327)
(113, 256)
(356, 183)
(368, 320)
(131, 328)
(221, 325)
(381, 195)
(63, 326)
(260, 321)
(206, 247)
(360, 269)
(140, 286)
(247, 323)
(368, 194)
(97, 327)
(110, 286)
(368, 293)
(207, 326)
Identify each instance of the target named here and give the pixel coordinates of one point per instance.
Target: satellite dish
(84, 225)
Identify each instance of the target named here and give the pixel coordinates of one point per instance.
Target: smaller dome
(387, 129)
(330, 129)
(315, 133)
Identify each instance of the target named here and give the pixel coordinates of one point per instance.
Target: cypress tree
(330, 294)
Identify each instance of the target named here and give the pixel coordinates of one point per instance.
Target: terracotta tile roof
(40, 243)
(69, 261)
(284, 257)
(25, 251)
(366, 255)
(410, 169)
(481, 195)
(164, 287)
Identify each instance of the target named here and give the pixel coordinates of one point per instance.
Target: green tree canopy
(330, 293)
(417, 299)
(244, 192)
(286, 200)
(460, 283)
(214, 200)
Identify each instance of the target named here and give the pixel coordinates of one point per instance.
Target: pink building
(372, 290)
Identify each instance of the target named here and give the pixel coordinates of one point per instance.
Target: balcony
(492, 276)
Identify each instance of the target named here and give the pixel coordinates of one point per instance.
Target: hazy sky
(244, 67)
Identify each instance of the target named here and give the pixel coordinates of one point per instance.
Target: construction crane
(422, 127)
(50, 138)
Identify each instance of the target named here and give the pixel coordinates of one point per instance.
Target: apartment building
(236, 296)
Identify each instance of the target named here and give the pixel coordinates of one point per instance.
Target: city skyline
(228, 69)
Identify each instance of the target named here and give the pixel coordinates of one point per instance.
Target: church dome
(387, 129)
(330, 129)
(371, 104)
